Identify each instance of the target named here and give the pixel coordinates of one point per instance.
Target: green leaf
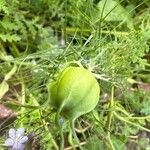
(9, 75)
(10, 38)
(8, 25)
(143, 142)
(3, 6)
(145, 107)
(4, 87)
(96, 115)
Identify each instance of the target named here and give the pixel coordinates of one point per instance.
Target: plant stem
(62, 138)
(2, 48)
(70, 139)
(60, 127)
(74, 134)
(109, 120)
(14, 50)
(132, 123)
(117, 33)
(100, 21)
(22, 96)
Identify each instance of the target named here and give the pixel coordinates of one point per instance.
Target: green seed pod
(75, 92)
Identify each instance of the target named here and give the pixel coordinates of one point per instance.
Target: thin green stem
(74, 134)
(109, 120)
(60, 127)
(14, 50)
(82, 132)
(140, 118)
(2, 48)
(127, 121)
(130, 116)
(70, 139)
(22, 96)
(62, 138)
(117, 33)
(101, 18)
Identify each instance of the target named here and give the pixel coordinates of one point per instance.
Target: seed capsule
(75, 92)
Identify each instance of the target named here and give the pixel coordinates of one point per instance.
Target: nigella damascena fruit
(74, 93)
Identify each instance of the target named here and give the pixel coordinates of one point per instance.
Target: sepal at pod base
(74, 93)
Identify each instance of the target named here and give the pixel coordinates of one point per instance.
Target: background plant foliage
(109, 37)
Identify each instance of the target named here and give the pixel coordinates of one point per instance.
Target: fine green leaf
(10, 38)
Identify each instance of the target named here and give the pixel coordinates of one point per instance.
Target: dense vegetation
(110, 38)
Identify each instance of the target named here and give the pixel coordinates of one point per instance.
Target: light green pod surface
(75, 93)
